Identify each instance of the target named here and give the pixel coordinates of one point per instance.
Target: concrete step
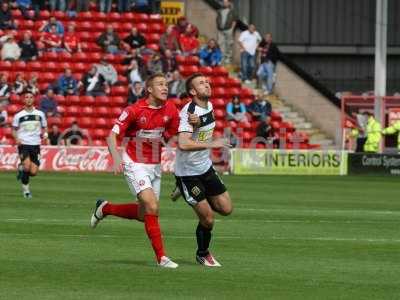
(324, 143)
(283, 109)
(305, 125)
(310, 131)
(291, 115)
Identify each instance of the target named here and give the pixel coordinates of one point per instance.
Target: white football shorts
(140, 176)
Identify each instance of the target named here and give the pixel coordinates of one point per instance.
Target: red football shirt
(146, 125)
(72, 40)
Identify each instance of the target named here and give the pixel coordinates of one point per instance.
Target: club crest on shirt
(196, 190)
(142, 182)
(166, 119)
(142, 120)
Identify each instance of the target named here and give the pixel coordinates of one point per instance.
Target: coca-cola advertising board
(75, 159)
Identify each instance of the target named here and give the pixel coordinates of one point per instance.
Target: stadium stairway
(96, 115)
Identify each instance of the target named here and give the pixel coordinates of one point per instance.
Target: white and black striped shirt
(29, 126)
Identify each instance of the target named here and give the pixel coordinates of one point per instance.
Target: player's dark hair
(27, 91)
(189, 81)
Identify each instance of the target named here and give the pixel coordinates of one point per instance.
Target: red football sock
(154, 233)
(126, 211)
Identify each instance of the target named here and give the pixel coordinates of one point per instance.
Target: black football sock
(203, 235)
(25, 177)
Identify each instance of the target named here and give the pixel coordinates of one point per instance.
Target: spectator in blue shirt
(260, 108)
(46, 27)
(48, 104)
(211, 54)
(236, 110)
(67, 84)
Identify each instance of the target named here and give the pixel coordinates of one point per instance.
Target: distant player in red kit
(146, 122)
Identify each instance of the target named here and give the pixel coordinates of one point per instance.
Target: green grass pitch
(288, 238)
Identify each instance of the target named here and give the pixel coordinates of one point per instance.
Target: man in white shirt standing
(29, 126)
(199, 184)
(248, 42)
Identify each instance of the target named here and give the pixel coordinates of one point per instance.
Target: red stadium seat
(219, 113)
(88, 101)
(102, 101)
(54, 121)
(85, 122)
(72, 111)
(207, 71)
(87, 111)
(156, 28)
(219, 92)
(154, 47)
(44, 15)
(127, 17)
(33, 66)
(218, 81)
(5, 66)
(220, 71)
(73, 100)
(118, 101)
(102, 111)
(187, 70)
(116, 112)
(102, 123)
(137, 17)
(67, 121)
(119, 91)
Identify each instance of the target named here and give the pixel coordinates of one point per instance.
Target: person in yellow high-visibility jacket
(395, 127)
(374, 134)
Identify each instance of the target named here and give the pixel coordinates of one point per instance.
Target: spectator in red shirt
(52, 40)
(72, 42)
(188, 41)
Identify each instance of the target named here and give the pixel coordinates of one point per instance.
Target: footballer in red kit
(146, 123)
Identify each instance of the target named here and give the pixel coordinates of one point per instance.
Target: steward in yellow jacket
(392, 130)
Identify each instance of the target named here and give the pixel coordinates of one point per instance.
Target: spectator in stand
(248, 42)
(226, 22)
(23, 6)
(10, 50)
(168, 62)
(55, 136)
(210, 55)
(28, 47)
(155, 64)
(5, 89)
(123, 5)
(264, 130)
(107, 70)
(169, 40)
(3, 121)
(82, 5)
(136, 92)
(134, 73)
(94, 83)
(188, 42)
(72, 42)
(181, 27)
(230, 137)
(141, 6)
(60, 5)
(46, 27)
(269, 55)
(109, 40)
(48, 104)
(260, 108)
(73, 135)
(133, 54)
(32, 86)
(20, 84)
(6, 19)
(176, 85)
(52, 40)
(105, 6)
(67, 84)
(135, 40)
(236, 110)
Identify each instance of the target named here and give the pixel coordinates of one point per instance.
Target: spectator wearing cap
(72, 42)
(28, 47)
(109, 40)
(67, 84)
(210, 55)
(107, 70)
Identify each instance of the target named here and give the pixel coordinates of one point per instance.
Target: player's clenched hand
(194, 120)
(220, 143)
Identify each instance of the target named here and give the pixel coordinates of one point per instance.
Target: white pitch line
(266, 238)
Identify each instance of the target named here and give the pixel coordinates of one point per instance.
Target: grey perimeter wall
(333, 40)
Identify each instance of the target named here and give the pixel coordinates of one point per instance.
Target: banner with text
(288, 162)
(86, 159)
(374, 164)
(171, 11)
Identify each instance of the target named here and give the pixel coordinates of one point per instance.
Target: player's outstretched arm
(112, 147)
(186, 143)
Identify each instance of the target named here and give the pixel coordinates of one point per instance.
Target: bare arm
(15, 136)
(186, 143)
(112, 147)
